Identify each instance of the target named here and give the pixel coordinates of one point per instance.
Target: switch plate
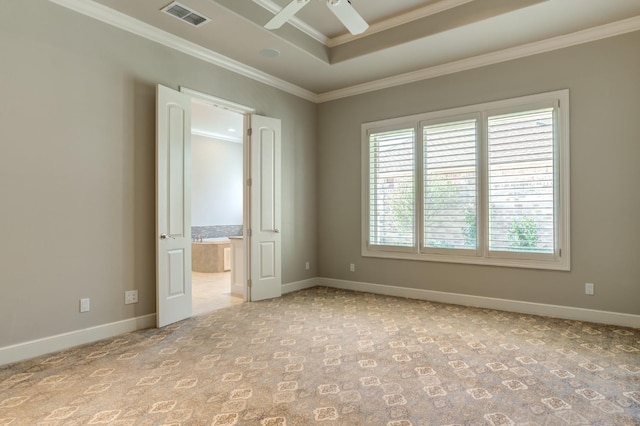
(130, 297)
(589, 288)
(352, 267)
(306, 265)
(85, 305)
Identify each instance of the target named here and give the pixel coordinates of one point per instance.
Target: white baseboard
(556, 311)
(34, 348)
(299, 285)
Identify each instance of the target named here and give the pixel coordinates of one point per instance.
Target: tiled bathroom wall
(215, 231)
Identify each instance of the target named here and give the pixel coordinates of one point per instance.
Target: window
(450, 184)
(392, 188)
(483, 184)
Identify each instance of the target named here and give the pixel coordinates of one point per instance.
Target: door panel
(265, 263)
(173, 206)
(177, 266)
(267, 179)
(176, 177)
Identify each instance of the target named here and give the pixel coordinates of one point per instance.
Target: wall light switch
(85, 305)
(589, 289)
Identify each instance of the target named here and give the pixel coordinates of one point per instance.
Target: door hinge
(249, 131)
(249, 182)
(249, 283)
(250, 232)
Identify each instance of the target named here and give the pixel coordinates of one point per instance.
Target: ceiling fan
(343, 10)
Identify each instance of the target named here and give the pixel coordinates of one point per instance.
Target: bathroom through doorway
(216, 206)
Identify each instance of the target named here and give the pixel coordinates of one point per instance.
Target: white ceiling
(216, 123)
(407, 40)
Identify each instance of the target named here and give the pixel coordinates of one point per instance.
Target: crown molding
(142, 29)
(560, 42)
(132, 25)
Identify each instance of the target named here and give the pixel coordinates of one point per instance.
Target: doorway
(217, 207)
(259, 273)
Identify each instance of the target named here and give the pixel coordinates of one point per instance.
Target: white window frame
(394, 125)
(559, 260)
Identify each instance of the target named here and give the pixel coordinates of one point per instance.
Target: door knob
(164, 236)
(277, 231)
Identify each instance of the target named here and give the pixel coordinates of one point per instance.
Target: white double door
(262, 199)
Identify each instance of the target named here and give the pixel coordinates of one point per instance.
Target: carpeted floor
(332, 357)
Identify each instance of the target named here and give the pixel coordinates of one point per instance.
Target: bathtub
(211, 255)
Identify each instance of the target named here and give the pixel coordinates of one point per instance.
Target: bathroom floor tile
(211, 291)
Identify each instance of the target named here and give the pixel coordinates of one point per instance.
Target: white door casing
(265, 237)
(173, 206)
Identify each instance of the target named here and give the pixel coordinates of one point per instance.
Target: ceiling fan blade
(349, 17)
(285, 14)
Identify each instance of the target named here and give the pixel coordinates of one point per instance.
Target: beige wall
(77, 140)
(77, 147)
(604, 82)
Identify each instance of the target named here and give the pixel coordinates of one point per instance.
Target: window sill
(561, 264)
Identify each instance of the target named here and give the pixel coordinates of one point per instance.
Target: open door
(173, 206)
(265, 237)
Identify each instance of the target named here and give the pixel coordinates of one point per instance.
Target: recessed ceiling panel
(236, 31)
(318, 16)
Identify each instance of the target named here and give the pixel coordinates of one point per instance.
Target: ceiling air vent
(185, 14)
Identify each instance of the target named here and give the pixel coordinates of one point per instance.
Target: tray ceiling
(407, 39)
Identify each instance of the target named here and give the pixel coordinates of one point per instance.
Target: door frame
(246, 171)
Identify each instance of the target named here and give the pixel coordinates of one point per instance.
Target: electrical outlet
(85, 305)
(589, 288)
(352, 267)
(306, 265)
(130, 297)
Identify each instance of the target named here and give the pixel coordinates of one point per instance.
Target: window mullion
(419, 175)
(482, 214)
(556, 182)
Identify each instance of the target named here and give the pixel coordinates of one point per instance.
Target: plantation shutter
(521, 182)
(392, 188)
(450, 185)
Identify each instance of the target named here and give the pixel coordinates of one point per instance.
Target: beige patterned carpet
(331, 357)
